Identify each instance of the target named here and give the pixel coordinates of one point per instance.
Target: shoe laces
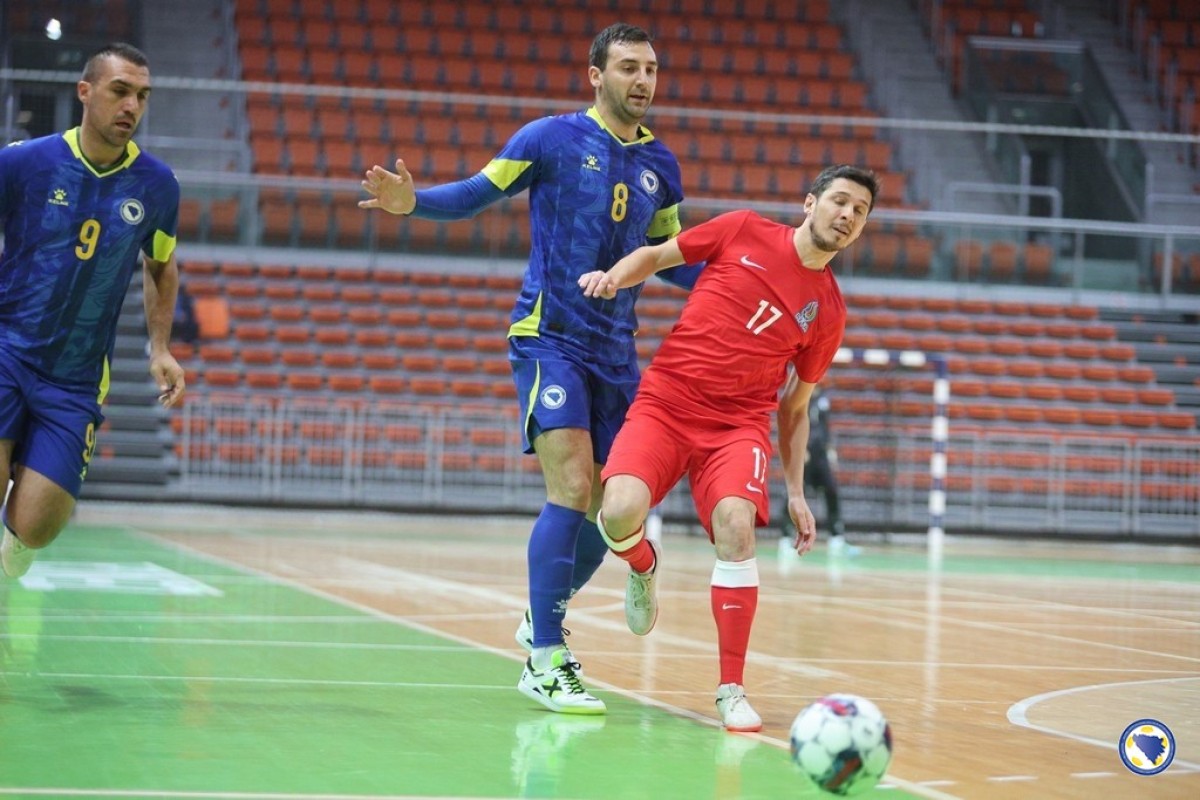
(734, 692)
(732, 699)
(568, 673)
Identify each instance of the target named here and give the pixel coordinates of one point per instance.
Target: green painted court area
(129, 669)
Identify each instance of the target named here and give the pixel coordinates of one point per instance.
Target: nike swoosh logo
(752, 488)
(727, 606)
(746, 260)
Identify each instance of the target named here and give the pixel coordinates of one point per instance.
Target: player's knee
(571, 488)
(733, 534)
(36, 524)
(623, 513)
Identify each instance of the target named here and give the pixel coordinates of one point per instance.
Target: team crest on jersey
(591, 162)
(806, 315)
(58, 197)
(553, 396)
(649, 181)
(132, 211)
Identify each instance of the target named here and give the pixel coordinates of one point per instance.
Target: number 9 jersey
(72, 233)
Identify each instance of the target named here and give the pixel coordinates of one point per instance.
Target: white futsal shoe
(641, 600)
(558, 687)
(736, 712)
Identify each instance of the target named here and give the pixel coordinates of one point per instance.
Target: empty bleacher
(433, 338)
(749, 57)
(1165, 37)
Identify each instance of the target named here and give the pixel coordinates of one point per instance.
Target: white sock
(540, 657)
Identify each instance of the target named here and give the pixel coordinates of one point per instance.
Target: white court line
(320, 644)
(866, 607)
(1018, 714)
(433, 585)
(891, 779)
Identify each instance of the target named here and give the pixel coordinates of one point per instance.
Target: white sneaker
(641, 602)
(15, 558)
(558, 687)
(524, 635)
(735, 710)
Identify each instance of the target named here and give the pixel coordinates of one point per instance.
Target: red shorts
(659, 447)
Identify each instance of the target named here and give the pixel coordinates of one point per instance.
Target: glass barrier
(1037, 82)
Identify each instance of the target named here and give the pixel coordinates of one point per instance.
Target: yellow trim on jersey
(164, 246)
(529, 325)
(105, 383)
(646, 135)
(665, 223)
(132, 151)
(504, 171)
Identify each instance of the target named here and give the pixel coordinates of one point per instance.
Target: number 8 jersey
(72, 234)
(593, 198)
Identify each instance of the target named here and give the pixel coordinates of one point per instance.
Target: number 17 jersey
(755, 309)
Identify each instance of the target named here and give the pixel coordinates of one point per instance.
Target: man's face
(838, 215)
(627, 82)
(113, 104)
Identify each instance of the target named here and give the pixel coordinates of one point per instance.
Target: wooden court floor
(306, 655)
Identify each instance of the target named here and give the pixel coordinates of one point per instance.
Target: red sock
(733, 609)
(640, 557)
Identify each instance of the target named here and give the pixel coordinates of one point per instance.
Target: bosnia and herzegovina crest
(806, 315)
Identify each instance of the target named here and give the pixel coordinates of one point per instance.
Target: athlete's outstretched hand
(391, 191)
(598, 284)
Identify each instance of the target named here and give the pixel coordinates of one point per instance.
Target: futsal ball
(842, 743)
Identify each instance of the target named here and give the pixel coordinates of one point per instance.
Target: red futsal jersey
(755, 308)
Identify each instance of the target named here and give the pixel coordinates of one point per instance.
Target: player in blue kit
(78, 208)
(600, 185)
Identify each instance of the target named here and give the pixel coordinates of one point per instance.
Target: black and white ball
(842, 743)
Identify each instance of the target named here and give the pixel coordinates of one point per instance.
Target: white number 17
(763, 305)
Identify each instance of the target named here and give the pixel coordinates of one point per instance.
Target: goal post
(939, 425)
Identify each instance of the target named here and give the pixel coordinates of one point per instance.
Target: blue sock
(551, 558)
(590, 550)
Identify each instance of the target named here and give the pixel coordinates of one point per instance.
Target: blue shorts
(54, 426)
(557, 390)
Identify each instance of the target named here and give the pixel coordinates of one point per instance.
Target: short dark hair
(617, 32)
(864, 177)
(122, 50)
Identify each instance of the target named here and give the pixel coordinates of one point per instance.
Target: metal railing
(468, 459)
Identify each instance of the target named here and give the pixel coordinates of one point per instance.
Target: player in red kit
(765, 300)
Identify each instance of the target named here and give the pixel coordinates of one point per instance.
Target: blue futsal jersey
(71, 240)
(593, 198)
